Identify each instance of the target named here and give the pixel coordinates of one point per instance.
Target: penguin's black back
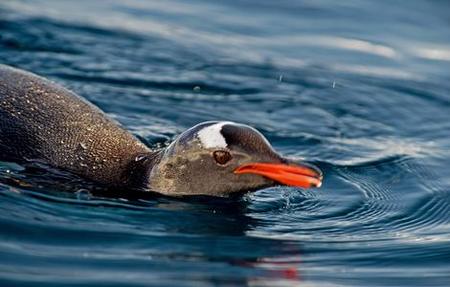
(40, 120)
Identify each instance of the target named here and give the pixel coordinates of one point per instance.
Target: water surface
(360, 87)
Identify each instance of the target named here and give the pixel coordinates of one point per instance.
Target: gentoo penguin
(41, 121)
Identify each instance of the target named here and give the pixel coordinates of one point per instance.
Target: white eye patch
(211, 136)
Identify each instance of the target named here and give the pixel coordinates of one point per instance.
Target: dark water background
(362, 88)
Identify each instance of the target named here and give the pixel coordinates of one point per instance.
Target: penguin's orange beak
(300, 175)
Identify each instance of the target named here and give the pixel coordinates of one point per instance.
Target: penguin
(43, 122)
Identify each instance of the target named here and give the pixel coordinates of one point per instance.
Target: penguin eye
(222, 156)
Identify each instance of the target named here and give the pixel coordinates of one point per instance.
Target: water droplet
(140, 157)
(83, 194)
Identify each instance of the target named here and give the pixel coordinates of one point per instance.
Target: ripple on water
(374, 210)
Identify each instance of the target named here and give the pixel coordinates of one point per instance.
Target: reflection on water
(360, 88)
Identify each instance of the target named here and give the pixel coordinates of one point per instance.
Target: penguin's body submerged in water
(44, 122)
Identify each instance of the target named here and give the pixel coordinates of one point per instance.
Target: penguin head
(221, 158)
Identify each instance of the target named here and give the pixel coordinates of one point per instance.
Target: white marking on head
(211, 136)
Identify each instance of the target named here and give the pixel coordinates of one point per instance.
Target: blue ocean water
(361, 88)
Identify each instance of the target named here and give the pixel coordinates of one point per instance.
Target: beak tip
(318, 185)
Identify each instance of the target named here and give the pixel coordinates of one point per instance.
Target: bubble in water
(83, 194)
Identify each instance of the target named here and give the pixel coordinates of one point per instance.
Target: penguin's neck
(137, 172)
